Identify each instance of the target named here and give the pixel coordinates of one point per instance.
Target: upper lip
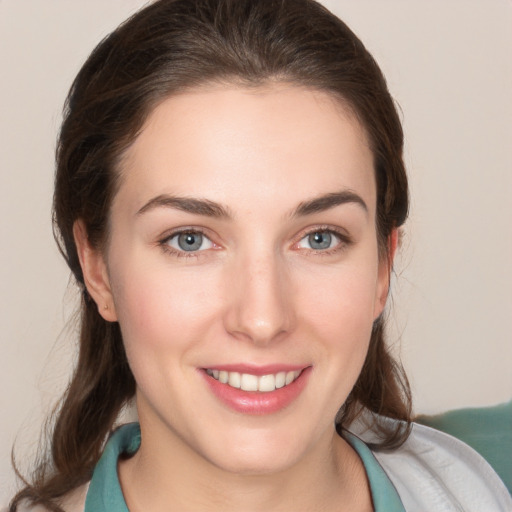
(257, 369)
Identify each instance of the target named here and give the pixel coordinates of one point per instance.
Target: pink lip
(255, 402)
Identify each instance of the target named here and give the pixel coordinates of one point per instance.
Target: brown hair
(169, 46)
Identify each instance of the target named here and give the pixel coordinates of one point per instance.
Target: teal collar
(384, 495)
(105, 495)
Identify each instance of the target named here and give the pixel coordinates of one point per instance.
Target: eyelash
(343, 241)
(164, 243)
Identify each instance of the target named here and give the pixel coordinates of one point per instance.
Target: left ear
(384, 276)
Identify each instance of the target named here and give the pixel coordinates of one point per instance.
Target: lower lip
(257, 402)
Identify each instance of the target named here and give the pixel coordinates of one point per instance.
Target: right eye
(189, 241)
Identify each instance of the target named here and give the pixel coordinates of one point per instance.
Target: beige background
(449, 66)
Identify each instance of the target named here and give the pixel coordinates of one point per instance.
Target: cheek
(341, 299)
(159, 309)
(163, 317)
(340, 313)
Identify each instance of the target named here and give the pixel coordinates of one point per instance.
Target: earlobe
(95, 273)
(385, 269)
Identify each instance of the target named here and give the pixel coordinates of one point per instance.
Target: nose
(261, 304)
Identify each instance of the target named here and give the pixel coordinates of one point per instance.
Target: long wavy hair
(167, 47)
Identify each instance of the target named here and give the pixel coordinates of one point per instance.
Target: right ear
(95, 273)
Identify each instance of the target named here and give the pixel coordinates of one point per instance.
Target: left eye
(319, 241)
(189, 241)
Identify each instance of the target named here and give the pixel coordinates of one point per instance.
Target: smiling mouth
(249, 382)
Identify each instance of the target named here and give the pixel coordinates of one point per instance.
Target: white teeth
(234, 379)
(249, 382)
(290, 377)
(267, 383)
(280, 379)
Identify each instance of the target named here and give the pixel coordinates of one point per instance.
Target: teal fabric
(488, 430)
(384, 495)
(105, 495)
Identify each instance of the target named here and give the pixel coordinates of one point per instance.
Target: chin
(254, 464)
(258, 453)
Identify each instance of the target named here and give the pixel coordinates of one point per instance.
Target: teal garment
(105, 495)
(488, 430)
(384, 495)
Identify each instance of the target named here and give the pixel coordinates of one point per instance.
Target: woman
(229, 191)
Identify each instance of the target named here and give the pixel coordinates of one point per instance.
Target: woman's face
(243, 249)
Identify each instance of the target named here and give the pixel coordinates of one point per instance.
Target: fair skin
(277, 271)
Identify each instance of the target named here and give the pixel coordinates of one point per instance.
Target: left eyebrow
(328, 201)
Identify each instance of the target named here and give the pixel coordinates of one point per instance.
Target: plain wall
(448, 65)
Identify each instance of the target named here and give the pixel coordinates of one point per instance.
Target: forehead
(266, 143)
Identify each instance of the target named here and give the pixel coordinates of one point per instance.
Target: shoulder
(74, 501)
(488, 430)
(434, 469)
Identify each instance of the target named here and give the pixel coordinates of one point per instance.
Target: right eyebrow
(187, 204)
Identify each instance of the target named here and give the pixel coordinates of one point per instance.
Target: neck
(171, 476)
